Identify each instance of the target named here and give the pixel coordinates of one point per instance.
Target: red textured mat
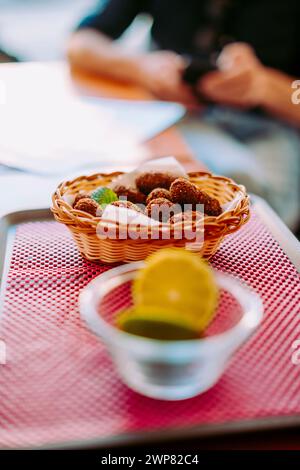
(59, 384)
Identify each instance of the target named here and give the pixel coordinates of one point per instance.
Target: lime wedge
(151, 323)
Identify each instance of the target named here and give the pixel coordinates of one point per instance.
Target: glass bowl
(169, 370)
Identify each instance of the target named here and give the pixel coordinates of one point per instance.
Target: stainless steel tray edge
(7, 223)
(9, 220)
(281, 233)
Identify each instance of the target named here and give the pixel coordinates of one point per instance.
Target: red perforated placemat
(59, 384)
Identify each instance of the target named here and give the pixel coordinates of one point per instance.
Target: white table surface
(22, 191)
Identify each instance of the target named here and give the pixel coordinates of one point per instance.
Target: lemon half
(175, 280)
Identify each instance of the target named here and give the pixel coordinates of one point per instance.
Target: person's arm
(92, 51)
(244, 82)
(159, 72)
(277, 99)
(91, 46)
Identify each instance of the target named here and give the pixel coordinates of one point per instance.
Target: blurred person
(249, 128)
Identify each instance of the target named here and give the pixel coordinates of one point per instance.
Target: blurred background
(37, 30)
(27, 26)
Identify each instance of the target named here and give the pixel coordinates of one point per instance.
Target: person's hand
(241, 80)
(161, 73)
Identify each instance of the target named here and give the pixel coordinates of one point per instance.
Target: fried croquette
(162, 209)
(184, 192)
(127, 205)
(89, 206)
(158, 193)
(211, 205)
(149, 181)
(80, 196)
(131, 194)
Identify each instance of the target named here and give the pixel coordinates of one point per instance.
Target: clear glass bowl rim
(92, 294)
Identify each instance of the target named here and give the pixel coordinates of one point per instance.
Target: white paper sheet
(56, 136)
(144, 119)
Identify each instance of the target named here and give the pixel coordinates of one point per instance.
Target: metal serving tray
(138, 423)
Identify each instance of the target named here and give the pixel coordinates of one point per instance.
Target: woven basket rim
(63, 209)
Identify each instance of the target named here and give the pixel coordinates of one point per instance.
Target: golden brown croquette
(184, 192)
(127, 205)
(159, 193)
(162, 209)
(89, 206)
(211, 205)
(131, 194)
(80, 196)
(149, 181)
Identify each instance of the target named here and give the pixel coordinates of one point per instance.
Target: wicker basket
(83, 226)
